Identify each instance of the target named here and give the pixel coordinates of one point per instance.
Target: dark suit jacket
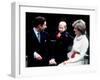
(62, 47)
(32, 45)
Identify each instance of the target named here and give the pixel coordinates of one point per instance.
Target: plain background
(5, 39)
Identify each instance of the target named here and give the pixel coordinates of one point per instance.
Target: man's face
(62, 26)
(43, 27)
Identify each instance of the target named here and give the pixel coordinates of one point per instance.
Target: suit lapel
(41, 37)
(35, 37)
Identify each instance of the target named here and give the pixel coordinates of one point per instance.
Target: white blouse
(80, 45)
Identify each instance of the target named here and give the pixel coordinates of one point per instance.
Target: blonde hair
(80, 25)
(64, 23)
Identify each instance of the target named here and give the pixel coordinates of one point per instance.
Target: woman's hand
(65, 62)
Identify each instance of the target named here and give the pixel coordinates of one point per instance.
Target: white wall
(5, 37)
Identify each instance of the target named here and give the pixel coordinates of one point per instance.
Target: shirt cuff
(35, 54)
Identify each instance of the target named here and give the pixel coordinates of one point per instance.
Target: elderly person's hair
(80, 25)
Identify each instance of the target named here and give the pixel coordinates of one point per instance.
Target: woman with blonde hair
(80, 43)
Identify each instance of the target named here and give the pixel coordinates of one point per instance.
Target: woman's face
(77, 32)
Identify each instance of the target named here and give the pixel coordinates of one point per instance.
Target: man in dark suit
(36, 39)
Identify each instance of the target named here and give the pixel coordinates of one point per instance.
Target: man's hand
(52, 61)
(37, 56)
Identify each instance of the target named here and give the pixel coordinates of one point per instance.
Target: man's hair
(39, 20)
(80, 25)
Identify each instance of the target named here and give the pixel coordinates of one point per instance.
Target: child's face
(62, 26)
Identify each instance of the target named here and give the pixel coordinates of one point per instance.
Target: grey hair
(80, 25)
